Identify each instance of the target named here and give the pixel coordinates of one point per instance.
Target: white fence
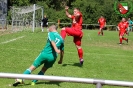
(28, 25)
(87, 26)
(98, 82)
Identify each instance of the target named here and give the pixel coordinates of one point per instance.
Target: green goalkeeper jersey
(53, 36)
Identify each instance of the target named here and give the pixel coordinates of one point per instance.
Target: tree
(91, 9)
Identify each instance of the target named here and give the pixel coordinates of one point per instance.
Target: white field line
(12, 40)
(89, 36)
(89, 53)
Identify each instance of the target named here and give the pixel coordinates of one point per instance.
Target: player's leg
(42, 27)
(77, 41)
(126, 32)
(126, 39)
(100, 28)
(63, 33)
(27, 71)
(103, 27)
(70, 32)
(99, 32)
(120, 38)
(43, 70)
(38, 61)
(48, 62)
(80, 54)
(102, 31)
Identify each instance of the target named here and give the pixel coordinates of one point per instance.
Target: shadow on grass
(48, 83)
(122, 44)
(75, 64)
(53, 82)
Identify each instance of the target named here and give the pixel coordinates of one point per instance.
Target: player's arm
(118, 27)
(55, 48)
(52, 41)
(67, 13)
(98, 21)
(61, 57)
(61, 53)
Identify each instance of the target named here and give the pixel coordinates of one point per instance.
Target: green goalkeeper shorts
(47, 59)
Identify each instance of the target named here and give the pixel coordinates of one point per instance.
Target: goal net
(26, 17)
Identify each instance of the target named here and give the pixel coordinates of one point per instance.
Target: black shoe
(127, 40)
(16, 83)
(81, 61)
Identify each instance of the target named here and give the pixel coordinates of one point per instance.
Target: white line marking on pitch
(89, 36)
(12, 40)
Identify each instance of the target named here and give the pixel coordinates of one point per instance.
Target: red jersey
(123, 26)
(77, 23)
(101, 21)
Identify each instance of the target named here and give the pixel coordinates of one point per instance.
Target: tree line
(91, 9)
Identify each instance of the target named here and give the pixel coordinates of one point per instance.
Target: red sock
(80, 53)
(102, 33)
(120, 40)
(63, 34)
(124, 38)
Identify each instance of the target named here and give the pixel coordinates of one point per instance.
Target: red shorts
(121, 33)
(77, 35)
(102, 26)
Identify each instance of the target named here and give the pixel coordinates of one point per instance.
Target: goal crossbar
(27, 9)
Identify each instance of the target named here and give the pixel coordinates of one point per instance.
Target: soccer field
(104, 58)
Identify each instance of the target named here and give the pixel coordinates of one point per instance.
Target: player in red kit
(122, 26)
(75, 30)
(102, 23)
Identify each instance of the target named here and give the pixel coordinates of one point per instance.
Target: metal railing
(22, 24)
(98, 82)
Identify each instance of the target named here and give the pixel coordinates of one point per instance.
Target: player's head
(102, 16)
(52, 28)
(45, 16)
(75, 11)
(129, 18)
(123, 19)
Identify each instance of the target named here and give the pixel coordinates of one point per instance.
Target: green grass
(104, 58)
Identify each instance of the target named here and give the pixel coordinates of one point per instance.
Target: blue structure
(3, 13)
